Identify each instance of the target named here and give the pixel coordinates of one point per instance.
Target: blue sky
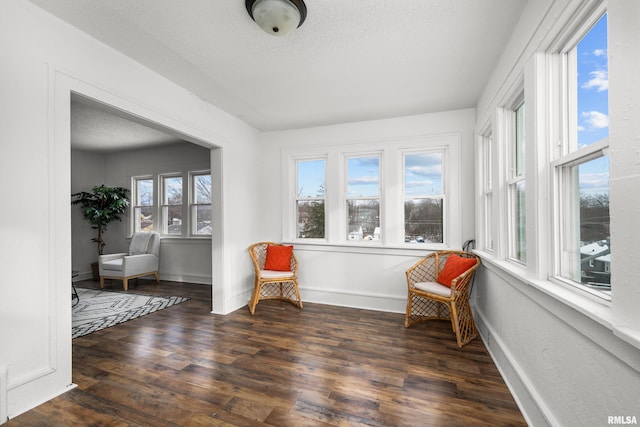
(593, 105)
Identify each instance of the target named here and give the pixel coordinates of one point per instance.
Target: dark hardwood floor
(320, 366)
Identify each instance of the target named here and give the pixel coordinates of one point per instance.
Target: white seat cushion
(273, 274)
(115, 264)
(433, 288)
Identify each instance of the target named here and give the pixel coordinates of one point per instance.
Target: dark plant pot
(95, 271)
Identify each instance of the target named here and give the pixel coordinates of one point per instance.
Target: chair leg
(295, 287)
(254, 298)
(408, 311)
(101, 282)
(455, 324)
(157, 277)
(125, 284)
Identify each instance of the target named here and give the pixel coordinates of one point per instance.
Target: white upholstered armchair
(141, 260)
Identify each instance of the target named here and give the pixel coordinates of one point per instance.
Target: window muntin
(200, 204)
(516, 186)
(143, 204)
(363, 198)
(582, 166)
(423, 197)
(310, 199)
(172, 205)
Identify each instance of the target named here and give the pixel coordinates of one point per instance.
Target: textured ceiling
(95, 127)
(350, 60)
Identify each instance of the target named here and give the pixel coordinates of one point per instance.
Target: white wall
(568, 358)
(43, 61)
(187, 260)
(348, 275)
(87, 170)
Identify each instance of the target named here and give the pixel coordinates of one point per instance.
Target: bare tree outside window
(201, 205)
(423, 198)
(310, 199)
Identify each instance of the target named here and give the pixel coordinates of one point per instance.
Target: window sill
(366, 248)
(181, 239)
(597, 309)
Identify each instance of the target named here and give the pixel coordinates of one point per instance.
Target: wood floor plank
(319, 366)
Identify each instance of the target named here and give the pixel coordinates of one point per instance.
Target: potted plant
(101, 206)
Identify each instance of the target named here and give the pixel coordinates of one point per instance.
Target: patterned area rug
(98, 310)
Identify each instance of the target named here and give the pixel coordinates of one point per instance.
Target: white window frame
(193, 205)
(487, 190)
(515, 179)
(347, 198)
(165, 205)
(443, 196)
(292, 207)
(391, 188)
(567, 156)
(135, 197)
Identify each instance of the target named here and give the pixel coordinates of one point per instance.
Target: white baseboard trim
(201, 280)
(366, 301)
(531, 404)
(188, 278)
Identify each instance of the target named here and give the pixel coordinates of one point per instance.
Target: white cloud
(363, 180)
(599, 80)
(412, 184)
(595, 119)
(428, 171)
(599, 52)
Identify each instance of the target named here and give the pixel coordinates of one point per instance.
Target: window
(183, 204)
(516, 186)
(581, 164)
(423, 198)
(384, 194)
(363, 198)
(143, 204)
(487, 189)
(172, 205)
(310, 199)
(200, 204)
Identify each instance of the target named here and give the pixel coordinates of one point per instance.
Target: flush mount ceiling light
(277, 17)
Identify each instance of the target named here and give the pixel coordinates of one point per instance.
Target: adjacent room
(369, 136)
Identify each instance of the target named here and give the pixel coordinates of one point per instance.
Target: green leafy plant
(101, 206)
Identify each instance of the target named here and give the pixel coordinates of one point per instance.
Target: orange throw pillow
(453, 267)
(278, 258)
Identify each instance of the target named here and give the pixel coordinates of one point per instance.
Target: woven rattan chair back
(422, 305)
(272, 284)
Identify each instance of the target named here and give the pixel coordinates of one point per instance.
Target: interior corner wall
(44, 61)
(87, 170)
(344, 275)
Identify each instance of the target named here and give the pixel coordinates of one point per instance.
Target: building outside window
(581, 164)
(143, 207)
(424, 197)
(363, 198)
(310, 199)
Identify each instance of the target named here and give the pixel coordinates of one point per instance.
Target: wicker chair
(270, 284)
(428, 299)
